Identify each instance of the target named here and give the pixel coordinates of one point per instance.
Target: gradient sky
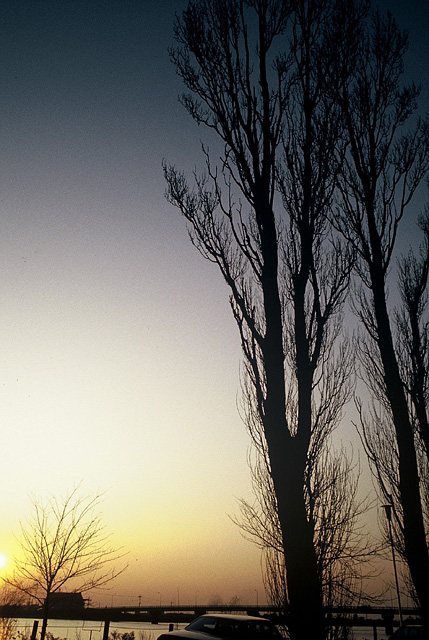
(119, 364)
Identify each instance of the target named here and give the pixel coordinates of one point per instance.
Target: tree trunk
(45, 618)
(416, 550)
(288, 457)
(306, 612)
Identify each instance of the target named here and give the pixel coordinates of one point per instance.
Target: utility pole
(388, 509)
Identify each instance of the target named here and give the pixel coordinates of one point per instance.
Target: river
(93, 630)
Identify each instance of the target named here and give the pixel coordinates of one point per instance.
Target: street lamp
(388, 509)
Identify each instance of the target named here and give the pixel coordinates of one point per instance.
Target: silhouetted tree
(410, 331)
(413, 335)
(10, 600)
(381, 173)
(412, 347)
(261, 215)
(343, 550)
(64, 541)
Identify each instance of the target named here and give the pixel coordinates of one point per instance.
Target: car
(226, 627)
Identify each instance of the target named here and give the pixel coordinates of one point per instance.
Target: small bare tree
(10, 599)
(63, 542)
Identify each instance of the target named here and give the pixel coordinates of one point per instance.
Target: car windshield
(230, 628)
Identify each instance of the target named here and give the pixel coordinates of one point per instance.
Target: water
(93, 630)
(366, 633)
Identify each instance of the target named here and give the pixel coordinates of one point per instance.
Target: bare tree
(262, 216)
(63, 542)
(380, 175)
(411, 344)
(343, 549)
(413, 334)
(10, 599)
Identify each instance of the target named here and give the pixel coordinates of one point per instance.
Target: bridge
(358, 616)
(264, 610)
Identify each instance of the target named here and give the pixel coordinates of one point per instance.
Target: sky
(119, 358)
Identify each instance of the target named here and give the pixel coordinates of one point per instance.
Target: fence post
(34, 631)
(106, 630)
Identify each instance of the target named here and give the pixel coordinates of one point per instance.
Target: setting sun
(3, 560)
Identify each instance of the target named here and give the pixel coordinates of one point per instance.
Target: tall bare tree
(413, 334)
(412, 346)
(410, 332)
(63, 542)
(260, 76)
(342, 547)
(389, 157)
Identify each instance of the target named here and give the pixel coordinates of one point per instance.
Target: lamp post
(388, 510)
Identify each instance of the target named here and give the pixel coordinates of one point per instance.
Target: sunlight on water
(93, 630)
